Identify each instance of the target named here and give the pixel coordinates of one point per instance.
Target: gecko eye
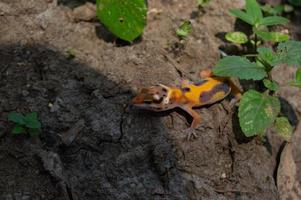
(166, 100)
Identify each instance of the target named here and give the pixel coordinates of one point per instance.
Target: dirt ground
(91, 148)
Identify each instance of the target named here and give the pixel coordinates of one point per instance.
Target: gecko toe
(190, 134)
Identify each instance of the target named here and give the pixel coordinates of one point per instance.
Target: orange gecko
(208, 90)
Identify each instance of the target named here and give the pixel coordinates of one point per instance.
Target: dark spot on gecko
(207, 96)
(201, 82)
(164, 89)
(186, 89)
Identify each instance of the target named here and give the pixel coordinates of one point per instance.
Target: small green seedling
(253, 16)
(261, 110)
(202, 3)
(25, 124)
(70, 54)
(126, 19)
(184, 29)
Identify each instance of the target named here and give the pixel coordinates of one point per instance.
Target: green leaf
(242, 68)
(126, 19)
(297, 81)
(271, 85)
(184, 29)
(18, 129)
(257, 112)
(18, 118)
(284, 128)
(295, 2)
(34, 131)
(253, 9)
(272, 36)
(241, 15)
(267, 55)
(237, 37)
(289, 53)
(31, 121)
(273, 20)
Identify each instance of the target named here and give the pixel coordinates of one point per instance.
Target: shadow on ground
(89, 147)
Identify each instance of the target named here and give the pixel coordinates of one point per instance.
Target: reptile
(209, 90)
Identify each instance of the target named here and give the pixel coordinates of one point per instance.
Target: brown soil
(90, 146)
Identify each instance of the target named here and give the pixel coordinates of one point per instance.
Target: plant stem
(255, 40)
(272, 93)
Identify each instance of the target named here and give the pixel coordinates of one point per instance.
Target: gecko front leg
(196, 119)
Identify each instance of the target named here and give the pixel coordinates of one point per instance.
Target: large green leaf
(237, 37)
(124, 18)
(289, 52)
(16, 117)
(253, 9)
(284, 128)
(241, 15)
(273, 20)
(31, 121)
(239, 67)
(272, 36)
(257, 112)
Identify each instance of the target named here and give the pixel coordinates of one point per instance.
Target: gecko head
(155, 98)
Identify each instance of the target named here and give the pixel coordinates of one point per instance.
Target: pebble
(86, 12)
(25, 93)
